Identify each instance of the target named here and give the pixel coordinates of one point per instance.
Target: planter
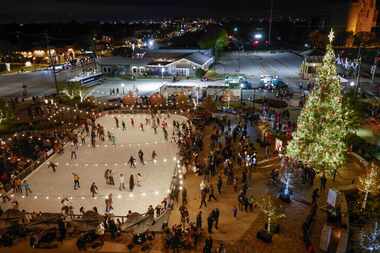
(264, 236)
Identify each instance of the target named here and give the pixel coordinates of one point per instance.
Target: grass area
(212, 75)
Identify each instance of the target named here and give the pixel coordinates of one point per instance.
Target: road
(39, 83)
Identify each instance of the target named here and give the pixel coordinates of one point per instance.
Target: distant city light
(258, 36)
(151, 43)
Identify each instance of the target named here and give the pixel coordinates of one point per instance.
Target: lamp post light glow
(122, 87)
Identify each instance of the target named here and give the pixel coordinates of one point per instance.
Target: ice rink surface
(48, 188)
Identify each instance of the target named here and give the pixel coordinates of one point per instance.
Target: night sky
(66, 10)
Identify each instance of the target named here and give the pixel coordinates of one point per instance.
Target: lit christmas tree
(369, 183)
(324, 122)
(370, 240)
(270, 210)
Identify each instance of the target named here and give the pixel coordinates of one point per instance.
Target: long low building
(161, 62)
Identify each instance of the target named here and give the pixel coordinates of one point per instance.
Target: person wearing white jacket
(122, 182)
(139, 179)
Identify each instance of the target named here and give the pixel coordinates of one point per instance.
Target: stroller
(89, 239)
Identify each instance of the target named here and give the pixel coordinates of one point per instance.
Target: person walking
(315, 196)
(210, 222)
(323, 181)
(219, 184)
(216, 214)
(93, 189)
(199, 220)
(203, 198)
(211, 193)
(122, 182)
(131, 183)
(76, 181)
(221, 248)
(208, 245)
(184, 196)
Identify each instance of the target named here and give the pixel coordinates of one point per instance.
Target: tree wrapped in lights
(370, 240)
(369, 183)
(325, 121)
(271, 212)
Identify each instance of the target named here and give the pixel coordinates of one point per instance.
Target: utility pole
(359, 67)
(52, 64)
(270, 23)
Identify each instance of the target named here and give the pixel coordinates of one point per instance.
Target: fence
(143, 217)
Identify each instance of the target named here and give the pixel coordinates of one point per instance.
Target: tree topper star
(331, 35)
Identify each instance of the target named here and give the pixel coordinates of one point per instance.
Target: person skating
(142, 127)
(141, 156)
(93, 189)
(116, 122)
(154, 155)
(53, 166)
(122, 182)
(106, 176)
(76, 181)
(131, 183)
(132, 122)
(74, 149)
(131, 162)
(26, 187)
(110, 178)
(123, 125)
(139, 179)
(109, 202)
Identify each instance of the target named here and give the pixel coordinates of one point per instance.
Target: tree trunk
(365, 200)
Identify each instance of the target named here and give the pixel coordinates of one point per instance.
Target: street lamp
(122, 87)
(162, 73)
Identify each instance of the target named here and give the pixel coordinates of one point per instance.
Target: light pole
(270, 23)
(122, 87)
(359, 67)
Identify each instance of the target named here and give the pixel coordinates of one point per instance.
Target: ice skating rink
(48, 188)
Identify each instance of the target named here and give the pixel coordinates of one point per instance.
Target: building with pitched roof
(160, 62)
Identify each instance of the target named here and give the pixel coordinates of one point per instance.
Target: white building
(161, 62)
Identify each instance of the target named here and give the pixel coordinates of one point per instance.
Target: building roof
(120, 60)
(198, 58)
(160, 57)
